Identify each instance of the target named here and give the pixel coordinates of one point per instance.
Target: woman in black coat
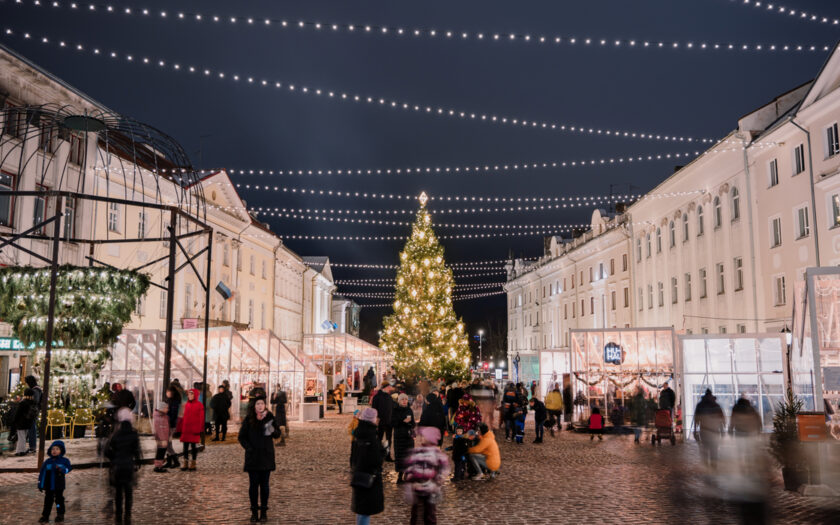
(278, 403)
(123, 451)
(256, 435)
(366, 458)
(403, 421)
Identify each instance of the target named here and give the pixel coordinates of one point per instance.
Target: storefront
(607, 365)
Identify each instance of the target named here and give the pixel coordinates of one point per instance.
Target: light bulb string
(431, 33)
(791, 13)
(283, 86)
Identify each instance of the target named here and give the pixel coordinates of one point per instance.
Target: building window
(639, 250)
(7, 183)
(641, 299)
(658, 240)
(741, 328)
(114, 217)
(626, 297)
(612, 299)
(601, 273)
(252, 265)
(612, 266)
(773, 173)
(832, 141)
(722, 329)
(69, 217)
(581, 277)
(835, 209)
(39, 210)
(660, 288)
(77, 149)
(702, 283)
(624, 255)
(700, 226)
(140, 307)
(798, 159)
(685, 227)
(704, 330)
(262, 316)
(263, 271)
(650, 296)
(237, 307)
(141, 225)
(582, 307)
(15, 124)
(592, 305)
(225, 254)
(803, 226)
(565, 311)
(162, 312)
(775, 232)
(672, 234)
(738, 265)
(674, 291)
(717, 212)
(735, 200)
(647, 242)
(47, 138)
(250, 313)
(779, 290)
(687, 291)
(591, 276)
(720, 278)
(574, 310)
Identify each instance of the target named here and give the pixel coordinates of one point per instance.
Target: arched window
(736, 204)
(658, 240)
(718, 213)
(685, 227)
(672, 234)
(647, 241)
(700, 226)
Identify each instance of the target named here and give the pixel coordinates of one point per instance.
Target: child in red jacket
(596, 424)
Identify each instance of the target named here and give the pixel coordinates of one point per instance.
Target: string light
(440, 225)
(369, 100)
(447, 35)
(390, 295)
(467, 286)
(469, 264)
(770, 7)
(403, 237)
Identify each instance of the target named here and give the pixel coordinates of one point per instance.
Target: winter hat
(356, 413)
(401, 397)
(429, 434)
(60, 444)
(124, 414)
(369, 415)
(471, 433)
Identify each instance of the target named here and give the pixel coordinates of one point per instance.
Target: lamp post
(480, 339)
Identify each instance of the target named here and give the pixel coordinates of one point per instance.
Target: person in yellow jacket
(485, 455)
(338, 395)
(554, 407)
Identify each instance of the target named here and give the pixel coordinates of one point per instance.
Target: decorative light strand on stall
(440, 111)
(430, 33)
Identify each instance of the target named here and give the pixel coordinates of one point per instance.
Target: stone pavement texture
(567, 479)
(83, 451)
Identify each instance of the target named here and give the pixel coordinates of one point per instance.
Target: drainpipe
(813, 196)
(751, 230)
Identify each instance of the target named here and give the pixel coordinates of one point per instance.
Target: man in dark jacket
(568, 407)
(454, 395)
(221, 412)
(433, 415)
(667, 398)
(539, 418)
(709, 419)
(122, 397)
(384, 405)
(32, 383)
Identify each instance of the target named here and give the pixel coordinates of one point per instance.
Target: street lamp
(480, 339)
(788, 335)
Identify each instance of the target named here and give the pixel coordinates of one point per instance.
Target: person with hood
(221, 412)
(192, 424)
(745, 421)
(384, 406)
(426, 469)
(433, 415)
(123, 451)
(709, 420)
(25, 416)
(173, 402)
(257, 435)
(366, 463)
(554, 407)
(468, 416)
(160, 421)
(278, 403)
(51, 481)
(403, 420)
(122, 397)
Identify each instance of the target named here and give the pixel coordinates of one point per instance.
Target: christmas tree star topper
(423, 199)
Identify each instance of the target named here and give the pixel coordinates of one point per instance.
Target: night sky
(240, 126)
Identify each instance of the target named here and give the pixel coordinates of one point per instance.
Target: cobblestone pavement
(567, 479)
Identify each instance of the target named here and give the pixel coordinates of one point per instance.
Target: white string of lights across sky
(799, 14)
(380, 222)
(427, 33)
(466, 264)
(390, 295)
(467, 286)
(553, 231)
(286, 87)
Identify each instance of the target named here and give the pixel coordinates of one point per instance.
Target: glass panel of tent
(554, 368)
(345, 357)
(731, 366)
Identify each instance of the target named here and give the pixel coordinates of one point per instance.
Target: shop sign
(10, 343)
(811, 426)
(613, 353)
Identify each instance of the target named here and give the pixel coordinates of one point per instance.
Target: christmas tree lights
(424, 334)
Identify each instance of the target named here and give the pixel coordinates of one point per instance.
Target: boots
(186, 465)
(192, 464)
(254, 516)
(263, 517)
(172, 462)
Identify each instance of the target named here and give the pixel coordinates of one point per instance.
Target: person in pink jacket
(192, 425)
(161, 422)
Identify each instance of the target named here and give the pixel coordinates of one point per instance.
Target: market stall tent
(344, 357)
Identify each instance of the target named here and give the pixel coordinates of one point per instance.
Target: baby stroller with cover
(664, 428)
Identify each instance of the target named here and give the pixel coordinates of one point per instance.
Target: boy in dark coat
(460, 444)
(51, 480)
(540, 415)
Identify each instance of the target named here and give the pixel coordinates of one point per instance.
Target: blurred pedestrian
(192, 425)
(25, 416)
(709, 425)
(366, 462)
(433, 415)
(221, 412)
(403, 420)
(745, 420)
(384, 406)
(554, 407)
(596, 424)
(173, 400)
(256, 435)
(278, 404)
(338, 395)
(123, 451)
(37, 393)
(162, 435)
(426, 469)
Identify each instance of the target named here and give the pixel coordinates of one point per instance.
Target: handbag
(362, 480)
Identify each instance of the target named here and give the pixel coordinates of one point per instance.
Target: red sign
(811, 426)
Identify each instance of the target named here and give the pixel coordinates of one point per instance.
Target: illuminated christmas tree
(425, 336)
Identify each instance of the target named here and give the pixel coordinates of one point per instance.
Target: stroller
(664, 428)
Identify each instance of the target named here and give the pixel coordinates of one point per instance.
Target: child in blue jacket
(51, 480)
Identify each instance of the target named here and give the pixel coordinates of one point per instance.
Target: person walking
(433, 415)
(709, 420)
(123, 451)
(403, 420)
(568, 405)
(745, 421)
(554, 407)
(427, 467)
(192, 425)
(257, 435)
(278, 404)
(384, 406)
(37, 393)
(667, 398)
(221, 412)
(453, 396)
(366, 462)
(338, 395)
(25, 415)
(539, 418)
(51, 481)
(173, 402)
(162, 435)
